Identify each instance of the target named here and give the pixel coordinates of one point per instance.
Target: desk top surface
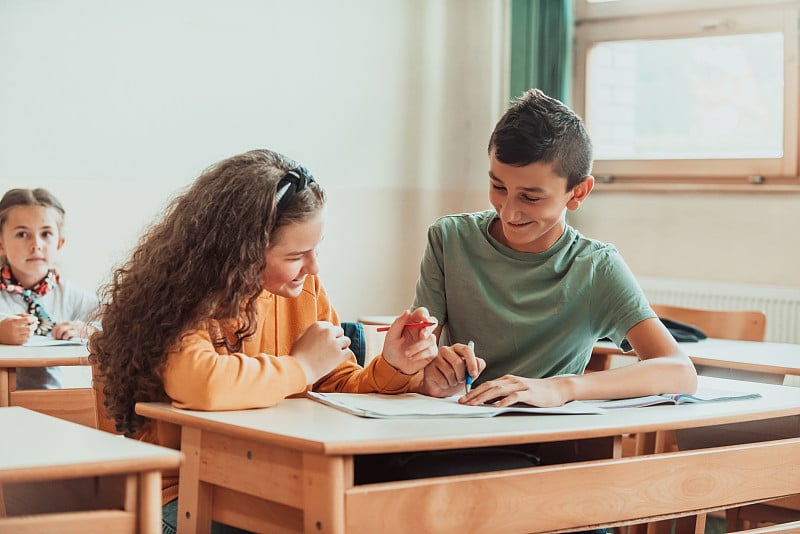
(307, 425)
(44, 356)
(35, 446)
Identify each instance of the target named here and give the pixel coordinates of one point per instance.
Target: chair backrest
(744, 325)
(104, 422)
(358, 343)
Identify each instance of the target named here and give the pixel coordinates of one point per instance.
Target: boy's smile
(531, 203)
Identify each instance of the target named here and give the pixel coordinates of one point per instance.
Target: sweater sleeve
(377, 377)
(199, 378)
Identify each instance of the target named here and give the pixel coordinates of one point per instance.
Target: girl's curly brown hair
(202, 261)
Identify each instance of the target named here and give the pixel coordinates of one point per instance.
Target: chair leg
(732, 520)
(2, 502)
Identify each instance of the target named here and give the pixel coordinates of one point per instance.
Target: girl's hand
(320, 349)
(410, 350)
(17, 329)
(510, 389)
(71, 329)
(446, 375)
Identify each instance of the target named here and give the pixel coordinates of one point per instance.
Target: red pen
(409, 325)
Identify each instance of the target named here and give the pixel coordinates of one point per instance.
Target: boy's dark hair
(538, 128)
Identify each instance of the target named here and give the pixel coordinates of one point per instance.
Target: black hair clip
(290, 184)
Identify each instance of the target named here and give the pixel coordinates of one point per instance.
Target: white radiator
(780, 303)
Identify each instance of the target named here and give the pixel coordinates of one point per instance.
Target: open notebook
(48, 341)
(414, 405)
(704, 394)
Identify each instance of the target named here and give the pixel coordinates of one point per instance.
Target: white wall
(728, 237)
(115, 106)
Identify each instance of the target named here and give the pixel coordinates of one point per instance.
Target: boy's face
(30, 240)
(293, 256)
(531, 202)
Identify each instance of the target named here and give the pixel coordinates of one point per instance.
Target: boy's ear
(580, 192)
(60, 243)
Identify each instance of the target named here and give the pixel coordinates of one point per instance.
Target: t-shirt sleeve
(430, 289)
(616, 291)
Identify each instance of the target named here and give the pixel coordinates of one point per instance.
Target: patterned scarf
(43, 287)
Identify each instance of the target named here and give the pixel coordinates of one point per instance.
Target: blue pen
(468, 382)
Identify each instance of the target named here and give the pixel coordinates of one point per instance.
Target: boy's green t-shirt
(529, 314)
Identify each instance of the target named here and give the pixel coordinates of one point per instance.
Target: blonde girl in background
(35, 300)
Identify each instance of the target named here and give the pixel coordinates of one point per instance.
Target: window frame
(623, 20)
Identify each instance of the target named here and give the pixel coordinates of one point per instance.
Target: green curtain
(541, 47)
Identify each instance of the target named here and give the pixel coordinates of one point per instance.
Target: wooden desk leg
(616, 447)
(149, 512)
(323, 495)
(645, 443)
(5, 387)
(194, 496)
(659, 441)
(2, 502)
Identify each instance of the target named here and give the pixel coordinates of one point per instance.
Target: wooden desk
(58, 476)
(751, 360)
(289, 468)
(75, 404)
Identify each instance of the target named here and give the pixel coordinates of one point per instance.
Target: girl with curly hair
(220, 307)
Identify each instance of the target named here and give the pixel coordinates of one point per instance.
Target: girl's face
(293, 255)
(31, 239)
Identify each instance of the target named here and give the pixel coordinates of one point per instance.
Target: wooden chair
(722, 324)
(104, 422)
(746, 325)
(743, 325)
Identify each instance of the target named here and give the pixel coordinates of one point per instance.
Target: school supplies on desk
(415, 405)
(468, 381)
(702, 395)
(409, 326)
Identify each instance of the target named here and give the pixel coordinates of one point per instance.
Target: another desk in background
(290, 468)
(57, 476)
(726, 358)
(373, 338)
(74, 404)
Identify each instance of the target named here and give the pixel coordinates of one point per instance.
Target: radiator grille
(780, 303)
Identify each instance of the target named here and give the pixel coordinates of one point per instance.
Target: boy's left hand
(410, 350)
(510, 389)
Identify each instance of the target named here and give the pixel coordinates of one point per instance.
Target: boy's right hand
(446, 374)
(320, 349)
(18, 329)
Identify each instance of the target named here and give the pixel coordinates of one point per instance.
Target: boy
(531, 292)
